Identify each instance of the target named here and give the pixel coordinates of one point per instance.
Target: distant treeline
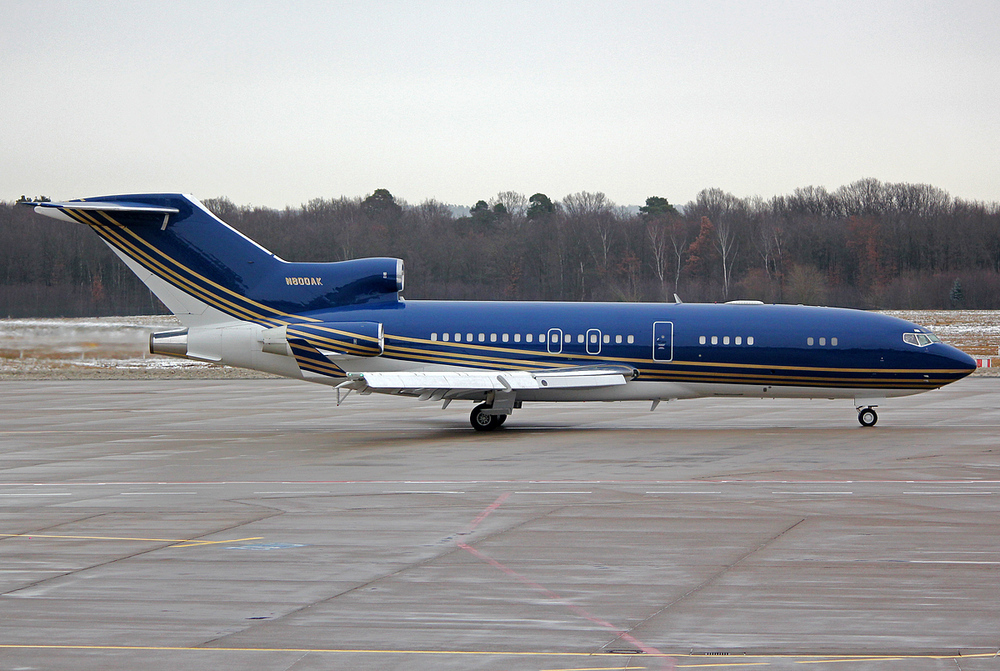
(868, 244)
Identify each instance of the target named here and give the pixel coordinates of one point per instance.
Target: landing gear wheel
(867, 417)
(481, 421)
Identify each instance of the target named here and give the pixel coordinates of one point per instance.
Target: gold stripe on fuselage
(184, 284)
(743, 376)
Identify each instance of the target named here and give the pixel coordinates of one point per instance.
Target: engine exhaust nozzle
(169, 343)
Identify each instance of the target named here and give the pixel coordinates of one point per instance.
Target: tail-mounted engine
(329, 339)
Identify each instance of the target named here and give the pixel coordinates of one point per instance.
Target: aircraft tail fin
(207, 272)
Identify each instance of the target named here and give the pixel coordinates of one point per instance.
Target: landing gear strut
(483, 421)
(867, 416)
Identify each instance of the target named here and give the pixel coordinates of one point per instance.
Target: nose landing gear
(867, 416)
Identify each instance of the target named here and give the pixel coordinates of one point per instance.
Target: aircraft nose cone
(961, 360)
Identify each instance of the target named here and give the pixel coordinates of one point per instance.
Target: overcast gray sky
(275, 103)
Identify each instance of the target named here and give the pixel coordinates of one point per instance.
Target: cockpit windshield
(920, 339)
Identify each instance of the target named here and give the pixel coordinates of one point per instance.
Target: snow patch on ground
(974, 331)
(102, 347)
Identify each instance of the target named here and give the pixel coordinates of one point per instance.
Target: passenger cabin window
(618, 340)
(631, 339)
(434, 336)
(528, 337)
(482, 337)
(736, 340)
(822, 341)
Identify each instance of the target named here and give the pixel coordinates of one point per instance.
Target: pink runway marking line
(576, 610)
(486, 513)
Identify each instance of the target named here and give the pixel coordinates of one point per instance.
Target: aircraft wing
(431, 385)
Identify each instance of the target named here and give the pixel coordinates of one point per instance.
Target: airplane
(346, 325)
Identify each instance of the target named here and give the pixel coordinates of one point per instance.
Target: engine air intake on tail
(363, 339)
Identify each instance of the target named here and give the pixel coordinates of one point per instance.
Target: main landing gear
(483, 421)
(867, 416)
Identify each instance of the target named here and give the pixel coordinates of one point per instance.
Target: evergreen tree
(957, 294)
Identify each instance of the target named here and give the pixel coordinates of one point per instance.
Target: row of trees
(868, 244)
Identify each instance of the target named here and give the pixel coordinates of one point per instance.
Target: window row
(822, 342)
(530, 337)
(725, 340)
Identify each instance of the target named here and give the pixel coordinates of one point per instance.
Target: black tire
(501, 419)
(481, 421)
(868, 417)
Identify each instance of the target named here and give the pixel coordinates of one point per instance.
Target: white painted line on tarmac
(949, 493)
(41, 494)
(298, 493)
(949, 561)
(669, 492)
(419, 491)
(553, 492)
(816, 493)
(156, 493)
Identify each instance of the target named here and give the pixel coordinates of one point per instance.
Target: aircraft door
(555, 341)
(663, 341)
(593, 341)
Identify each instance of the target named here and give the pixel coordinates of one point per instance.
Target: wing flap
(434, 383)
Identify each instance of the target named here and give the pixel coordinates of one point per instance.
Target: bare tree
(728, 247)
(728, 215)
(515, 203)
(596, 214)
(659, 239)
(680, 241)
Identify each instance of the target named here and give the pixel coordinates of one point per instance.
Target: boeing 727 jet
(345, 324)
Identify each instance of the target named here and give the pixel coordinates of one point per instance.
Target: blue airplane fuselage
(782, 345)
